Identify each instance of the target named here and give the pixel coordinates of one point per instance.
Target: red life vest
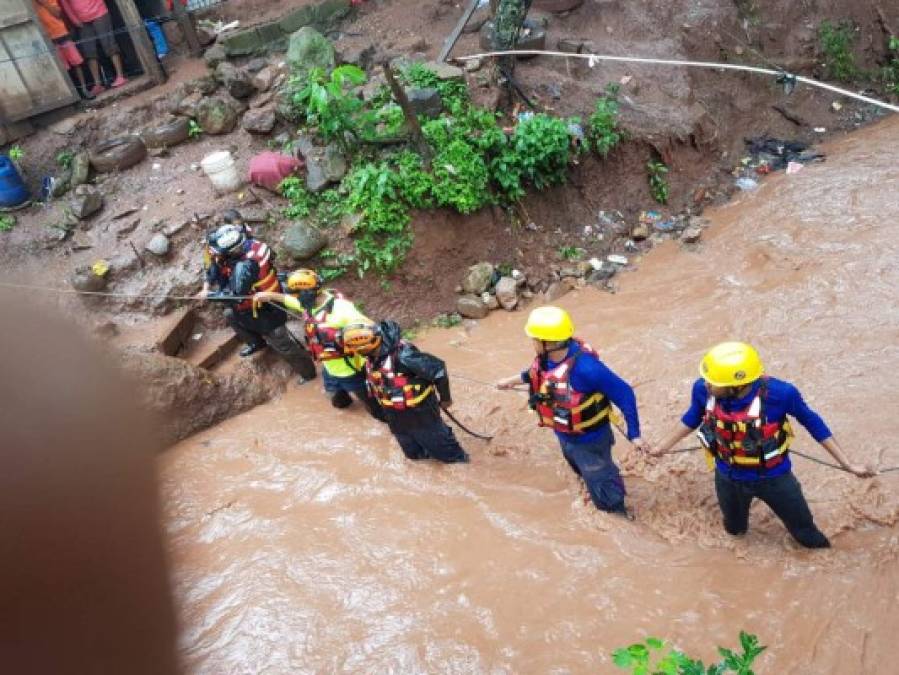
(561, 407)
(746, 438)
(267, 280)
(322, 340)
(394, 389)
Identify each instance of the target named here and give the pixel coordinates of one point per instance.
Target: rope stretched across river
(593, 59)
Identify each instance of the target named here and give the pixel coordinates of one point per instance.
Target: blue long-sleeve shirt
(783, 399)
(589, 376)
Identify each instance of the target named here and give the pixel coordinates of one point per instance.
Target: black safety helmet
(227, 240)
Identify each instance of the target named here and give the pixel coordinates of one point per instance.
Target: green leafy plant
(329, 103)
(448, 320)
(65, 158)
(16, 153)
(383, 237)
(301, 200)
(537, 154)
(7, 222)
(194, 130)
(658, 181)
(418, 185)
(890, 72)
(452, 92)
(571, 252)
(650, 658)
(837, 42)
(603, 133)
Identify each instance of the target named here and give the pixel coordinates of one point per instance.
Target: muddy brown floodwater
(302, 541)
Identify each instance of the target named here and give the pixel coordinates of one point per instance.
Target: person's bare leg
(94, 67)
(117, 64)
(79, 75)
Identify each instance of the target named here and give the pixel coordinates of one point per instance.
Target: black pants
(782, 494)
(271, 330)
(422, 434)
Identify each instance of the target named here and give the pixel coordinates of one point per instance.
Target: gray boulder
(303, 240)
(472, 307)
(265, 78)
(259, 121)
(323, 167)
(158, 245)
(214, 56)
(425, 101)
(87, 202)
(84, 280)
(187, 106)
(507, 293)
(477, 279)
(216, 115)
(310, 49)
(237, 82)
(691, 235)
(81, 166)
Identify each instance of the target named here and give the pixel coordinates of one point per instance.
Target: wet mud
(302, 541)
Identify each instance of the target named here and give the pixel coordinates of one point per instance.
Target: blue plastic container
(12, 188)
(160, 44)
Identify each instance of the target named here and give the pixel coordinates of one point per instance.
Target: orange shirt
(55, 28)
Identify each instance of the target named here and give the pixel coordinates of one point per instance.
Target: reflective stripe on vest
(268, 275)
(559, 405)
(745, 438)
(323, 341)
(396, 390)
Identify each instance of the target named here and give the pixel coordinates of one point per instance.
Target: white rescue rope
(593, 59)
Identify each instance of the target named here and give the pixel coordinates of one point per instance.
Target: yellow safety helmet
(361, 338)
(303, 280)
(731, 364)
(550, 324)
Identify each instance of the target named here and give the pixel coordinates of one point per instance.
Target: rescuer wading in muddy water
(407, 382)
(325, 313)
(240, 266)
(742, 418)
(572, 392)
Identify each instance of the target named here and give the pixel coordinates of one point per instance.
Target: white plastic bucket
(222, 171)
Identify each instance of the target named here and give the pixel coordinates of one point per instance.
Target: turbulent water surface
(303, 541)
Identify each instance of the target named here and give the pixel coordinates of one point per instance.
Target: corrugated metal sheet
(32, 80)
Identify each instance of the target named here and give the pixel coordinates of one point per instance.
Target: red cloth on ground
(268, 169)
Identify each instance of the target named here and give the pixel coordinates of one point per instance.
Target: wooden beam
(141, 40)
(411, 120)
(186, 23)
(453, 38)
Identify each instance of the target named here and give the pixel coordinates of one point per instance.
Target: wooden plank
(186, 23)
(453, 38)
(220, 353)
(177, 332)
(141, 41)
(411, 120)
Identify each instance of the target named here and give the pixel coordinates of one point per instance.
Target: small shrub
(301, 200)
(16, 153)
(65, 158)
(7, 222)
(194, 130)
(571, 253)
(658, 181)
(448, 320)
(649, 658)
(890, 72)
(461, 178)
(837, 42)
(603, 133)
(328, 103)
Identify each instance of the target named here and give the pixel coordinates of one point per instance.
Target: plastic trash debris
(794, 167)
(746, 184)
(820, 130)
(617, 259)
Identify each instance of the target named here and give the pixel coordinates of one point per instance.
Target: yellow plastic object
(303, 280)
(550, 324)
(731, 364)
(100, 268)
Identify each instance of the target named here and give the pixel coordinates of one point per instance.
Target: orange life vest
(560, 406)
(394, 389)
(746, 438)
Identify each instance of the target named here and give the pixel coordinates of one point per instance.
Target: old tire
(167, 135)
(117, 154)
(556, 5)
